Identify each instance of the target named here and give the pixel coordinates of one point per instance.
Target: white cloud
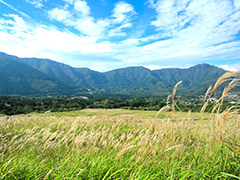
(36, 3)
(89, 27)
(82, 7)
(123, 8)
(11, 7)
(237, 4)
(205, 16)
(156, 67)
(15, 26)
(229, 67)
(29, 40)
(59, 14)
(192, 29)
(79, 17)
(122, 12)
(185, 32)
(70, 1)
(83, 23)
(118, 30)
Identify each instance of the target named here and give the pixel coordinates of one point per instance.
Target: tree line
(10, 105)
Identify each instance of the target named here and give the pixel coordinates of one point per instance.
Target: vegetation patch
(112, 145)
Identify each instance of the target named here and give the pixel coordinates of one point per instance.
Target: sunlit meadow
(124, 144)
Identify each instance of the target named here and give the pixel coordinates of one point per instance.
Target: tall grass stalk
(44, 146)
(173, 100)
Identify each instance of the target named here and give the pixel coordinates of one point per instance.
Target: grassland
(122, 112)
(119, 144)
(122, 144)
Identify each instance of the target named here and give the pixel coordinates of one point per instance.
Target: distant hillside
(60, 71)
(77, 77)
(19, 79)
(130, 80)
(195, 79)
(135, 79)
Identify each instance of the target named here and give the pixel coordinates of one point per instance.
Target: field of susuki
(124, 144)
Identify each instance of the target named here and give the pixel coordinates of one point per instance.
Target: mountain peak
(134, 79)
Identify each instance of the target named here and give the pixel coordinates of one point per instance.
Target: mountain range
(33, 76)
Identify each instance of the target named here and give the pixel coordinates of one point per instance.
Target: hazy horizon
(153, 68)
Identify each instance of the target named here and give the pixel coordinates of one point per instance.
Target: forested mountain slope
(19, 79)
(32, 75)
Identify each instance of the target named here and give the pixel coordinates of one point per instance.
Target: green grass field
(123, 144)
(123, 112)
(119, 144)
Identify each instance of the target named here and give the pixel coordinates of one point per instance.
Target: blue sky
(104, 35)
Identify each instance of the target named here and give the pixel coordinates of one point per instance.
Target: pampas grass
(173, 101)
(44, 146)
(225, 77)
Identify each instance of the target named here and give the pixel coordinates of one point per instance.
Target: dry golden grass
(225, 77)
(182, 143)
(137, 140)
(44, 131)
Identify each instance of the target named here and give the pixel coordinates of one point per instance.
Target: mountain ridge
(128, 80)
(19, 79)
